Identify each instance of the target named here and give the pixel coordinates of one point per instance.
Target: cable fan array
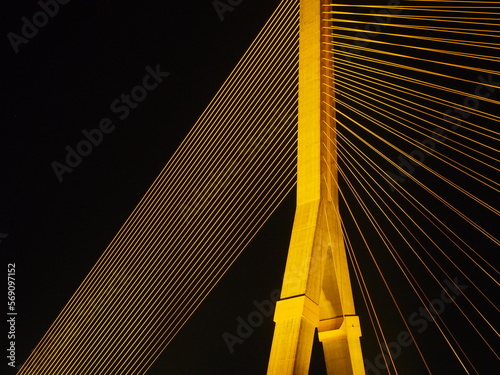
(415, 95)
(227, 177)
(416, 102)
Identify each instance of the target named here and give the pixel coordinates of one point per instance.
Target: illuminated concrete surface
(316, 289)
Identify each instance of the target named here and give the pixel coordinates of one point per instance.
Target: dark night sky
(62, 82)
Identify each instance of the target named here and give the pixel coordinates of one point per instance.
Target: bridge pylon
(316, 292)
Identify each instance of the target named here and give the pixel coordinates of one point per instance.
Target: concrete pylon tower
(316, 291)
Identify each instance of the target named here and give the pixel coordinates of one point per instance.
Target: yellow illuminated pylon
(316, 289)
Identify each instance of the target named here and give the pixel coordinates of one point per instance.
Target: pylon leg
(341, 345)
(297, 313)
(296, 322)
(339, 329)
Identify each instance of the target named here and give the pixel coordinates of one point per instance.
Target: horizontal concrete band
(297, 307)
